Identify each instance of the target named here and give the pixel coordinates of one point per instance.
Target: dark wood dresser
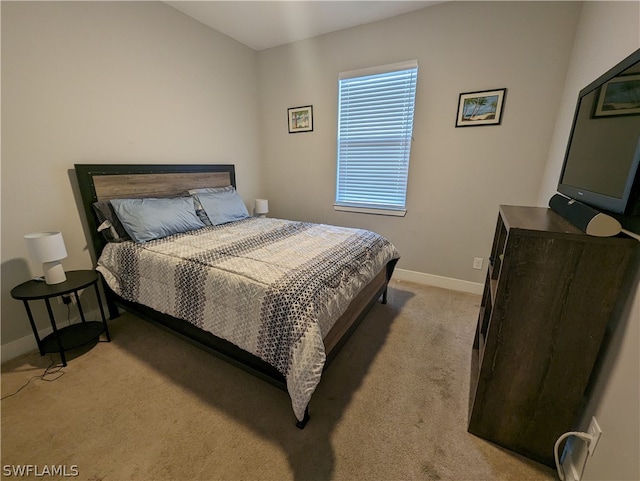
(548, 297)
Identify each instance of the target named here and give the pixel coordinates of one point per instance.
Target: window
(375, 124)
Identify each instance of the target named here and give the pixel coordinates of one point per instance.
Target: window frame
(405, 137)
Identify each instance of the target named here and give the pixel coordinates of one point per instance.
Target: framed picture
(300, 119)
(619, 96)
(480, 108)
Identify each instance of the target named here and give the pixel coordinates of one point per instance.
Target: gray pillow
(113, 231)
(151, 218)
(202, 215)
(222, 205)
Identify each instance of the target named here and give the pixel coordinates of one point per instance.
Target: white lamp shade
(48, 248)
(261, 206)
(45, 246)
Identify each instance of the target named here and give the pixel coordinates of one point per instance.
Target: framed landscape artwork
(300, 119)
(480, 108)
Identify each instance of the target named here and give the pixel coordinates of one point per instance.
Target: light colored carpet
(149, 406)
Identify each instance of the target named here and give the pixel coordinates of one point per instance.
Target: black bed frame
(221, 348)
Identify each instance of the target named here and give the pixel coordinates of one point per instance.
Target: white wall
(109, 82)
(458, 176)
(607, 33)
(140, 82)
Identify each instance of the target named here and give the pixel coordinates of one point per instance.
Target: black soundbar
(585, 218)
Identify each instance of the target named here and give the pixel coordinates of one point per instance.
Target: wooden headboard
(99, 182)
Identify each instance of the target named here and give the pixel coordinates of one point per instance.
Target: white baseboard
(438, 281)
(28, 343)
(25, 344)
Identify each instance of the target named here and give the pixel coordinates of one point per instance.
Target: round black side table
(74, 335)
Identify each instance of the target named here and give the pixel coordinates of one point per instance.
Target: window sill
(364, 210)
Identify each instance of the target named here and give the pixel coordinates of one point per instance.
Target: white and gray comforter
(272, 287)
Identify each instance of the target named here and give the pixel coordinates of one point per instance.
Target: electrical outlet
(574, 458)
(67, 299)
(477, 262)
(595, 432)
(577, 451)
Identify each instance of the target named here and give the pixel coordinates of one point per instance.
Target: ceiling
(265, 24)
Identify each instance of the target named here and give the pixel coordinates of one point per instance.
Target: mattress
(272, 287)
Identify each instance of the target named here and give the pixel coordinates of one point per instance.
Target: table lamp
(261, 207)
(48, 249)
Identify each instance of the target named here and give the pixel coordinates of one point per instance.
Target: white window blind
(375, 124)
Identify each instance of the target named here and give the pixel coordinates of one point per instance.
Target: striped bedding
(272, 287)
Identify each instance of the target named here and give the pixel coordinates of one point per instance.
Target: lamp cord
(47, 372)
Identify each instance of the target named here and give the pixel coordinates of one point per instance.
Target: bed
(275, 297)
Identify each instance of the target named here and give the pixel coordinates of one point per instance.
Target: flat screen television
(602, 156)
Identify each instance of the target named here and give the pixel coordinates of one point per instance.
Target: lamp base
(53, 272)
